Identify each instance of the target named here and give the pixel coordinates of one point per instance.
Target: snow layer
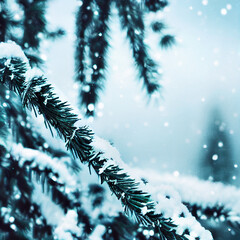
(198, 192)
(10, 49)
(44, 161)
(169, 207)
(65, 223)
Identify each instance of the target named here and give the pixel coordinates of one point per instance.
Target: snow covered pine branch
(38, 95)
(211, 200)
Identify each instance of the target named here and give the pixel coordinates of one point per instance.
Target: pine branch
(54, 176)
(17, 214)
(35, 28)
(36, 94)
(92, 46)
(83, 21)
(218, 213)
(131, 17)
(98, 45)
(20, 124)
(34, 22)
(7, 23)
(204, 199)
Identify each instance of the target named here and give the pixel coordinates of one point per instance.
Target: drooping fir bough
(93, 42)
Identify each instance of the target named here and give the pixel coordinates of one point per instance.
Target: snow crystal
(229, 6)
(145, 232)
(100, 105)
(151, 232)
(11, 219)
(216, 63)
(17, 196)
(13, 227)
(99, 114)
(166, 124)
(90, 107)
(223, 11)
(176, 173)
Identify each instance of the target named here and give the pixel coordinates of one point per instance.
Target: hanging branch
(36, 94)
(131, 17)
(92, 46)
(83, 20)
(98, 46)
(35, 28)
(7, 22)
(34, 24)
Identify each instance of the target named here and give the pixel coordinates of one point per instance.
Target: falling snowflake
(223, 11)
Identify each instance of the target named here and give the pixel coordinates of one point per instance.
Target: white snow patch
(10, 49)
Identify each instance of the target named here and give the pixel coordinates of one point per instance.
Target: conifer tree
(217, 163)
(34, 175)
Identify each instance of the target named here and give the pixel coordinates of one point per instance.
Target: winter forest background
(181, 143)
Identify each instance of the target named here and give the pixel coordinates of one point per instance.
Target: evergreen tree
(217, 163)
(39, 181)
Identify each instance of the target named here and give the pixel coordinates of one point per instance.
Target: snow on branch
(205, 199)
(170, 208)
(44, 161)
(11, 50)
(39, 96)
(65, 224)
